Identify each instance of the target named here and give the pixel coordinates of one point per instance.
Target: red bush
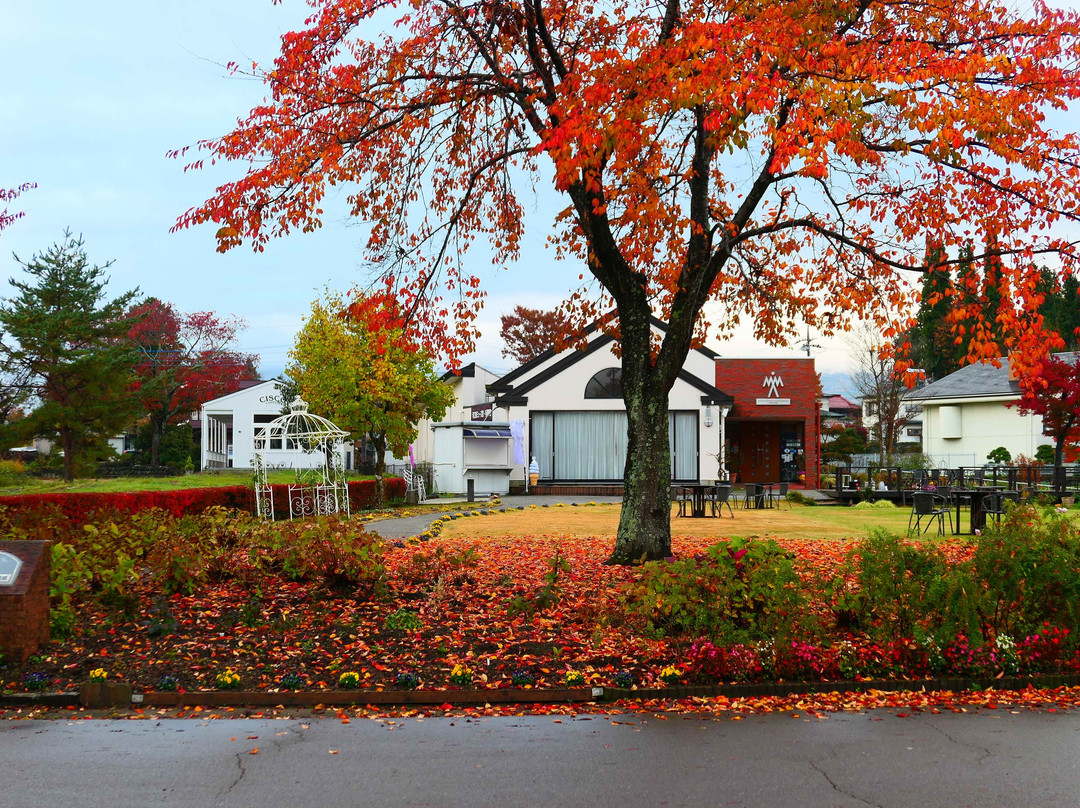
(76, 506)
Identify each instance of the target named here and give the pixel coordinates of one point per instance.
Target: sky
(95, 94)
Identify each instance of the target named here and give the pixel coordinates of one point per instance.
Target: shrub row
(1012, 604)
(189, 501)
(106, 554)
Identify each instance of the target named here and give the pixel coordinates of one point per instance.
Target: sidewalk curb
(91, 697)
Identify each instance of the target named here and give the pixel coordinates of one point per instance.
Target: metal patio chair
(719, 497)
(934, 507)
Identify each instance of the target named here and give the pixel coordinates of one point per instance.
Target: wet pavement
(877, 758)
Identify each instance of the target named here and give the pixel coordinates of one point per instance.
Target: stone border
(98, 694)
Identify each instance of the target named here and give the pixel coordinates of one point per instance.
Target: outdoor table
(698, 500)
(976, 513)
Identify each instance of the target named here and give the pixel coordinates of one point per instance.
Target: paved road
(982, 759)
(409, 526)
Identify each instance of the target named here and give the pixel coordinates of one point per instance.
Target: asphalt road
(988, 758)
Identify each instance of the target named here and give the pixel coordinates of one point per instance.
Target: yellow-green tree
(358, 363)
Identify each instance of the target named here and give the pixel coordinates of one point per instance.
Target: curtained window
(592, 445)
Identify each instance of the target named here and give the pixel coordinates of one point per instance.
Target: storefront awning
(486, 431)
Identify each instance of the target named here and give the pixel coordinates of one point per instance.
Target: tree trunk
(644, 532)
(155, 442)
(379, 442)
(67, 441)
(1059, 462)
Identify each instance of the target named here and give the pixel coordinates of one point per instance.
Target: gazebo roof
(301, 425)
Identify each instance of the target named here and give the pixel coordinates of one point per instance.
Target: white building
(573, 418)
(472, 444)
(230, 424)
(967, 414)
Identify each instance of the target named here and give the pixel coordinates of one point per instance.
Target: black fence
(131, 470)
(881, 482)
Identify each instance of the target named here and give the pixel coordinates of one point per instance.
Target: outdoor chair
(995, 504)
(934, 507)
(754, 496)
(719, 497)
(779, 494)
(680, 496)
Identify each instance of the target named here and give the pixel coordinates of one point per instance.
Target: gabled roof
(242, 391)
(507, 392)
(506, 383)
(979, 380)
(465, 372)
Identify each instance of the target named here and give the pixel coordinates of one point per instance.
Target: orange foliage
(785, 159)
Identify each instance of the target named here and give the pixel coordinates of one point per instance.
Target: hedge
(191, 500)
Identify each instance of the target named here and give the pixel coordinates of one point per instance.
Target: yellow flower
(98, 675)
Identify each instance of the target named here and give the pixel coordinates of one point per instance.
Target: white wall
(567, 392)
(985, 424)
(468, 390)
(242, 406)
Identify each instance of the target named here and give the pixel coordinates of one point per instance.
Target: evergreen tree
(72, 345)
(1061, 308)
(933, 346)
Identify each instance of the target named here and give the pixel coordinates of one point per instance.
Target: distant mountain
(839, 383)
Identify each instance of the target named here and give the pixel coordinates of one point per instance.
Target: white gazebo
(320, 489)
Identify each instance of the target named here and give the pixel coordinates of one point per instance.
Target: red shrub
(188, 501)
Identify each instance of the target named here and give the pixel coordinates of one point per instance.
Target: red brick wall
(24, 607)
(744, 380)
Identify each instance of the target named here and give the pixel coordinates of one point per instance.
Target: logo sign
(9, 568)
(482, 412)
(271, 399)
(774, 381)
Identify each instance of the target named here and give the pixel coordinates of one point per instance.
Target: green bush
(12, 472)
(887, 586)
(1026, 572)
(741, 589)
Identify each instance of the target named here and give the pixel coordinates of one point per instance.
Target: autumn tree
(6, 197)
(529, 332)
(1053, 392)
(359, 363)
(786, 160)
(185, 359)
(840, 441)
(70, 342)
(883, 385)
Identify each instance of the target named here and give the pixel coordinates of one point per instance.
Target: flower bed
(299, 606)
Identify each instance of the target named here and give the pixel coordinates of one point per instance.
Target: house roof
(835, 401)
(465, 372)
(508, 392)
(506, 383)
(979, 380)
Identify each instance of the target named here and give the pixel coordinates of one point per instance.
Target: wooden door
(760, 452)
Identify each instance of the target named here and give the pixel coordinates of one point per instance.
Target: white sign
(774, 381)
(9, 568)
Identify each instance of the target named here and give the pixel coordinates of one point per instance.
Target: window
(275, 443)
(592, 445)
(605, 384)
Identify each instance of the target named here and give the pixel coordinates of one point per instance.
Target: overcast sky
(95, 94)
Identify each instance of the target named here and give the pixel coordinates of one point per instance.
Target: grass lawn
(798, 522)
(206, 479)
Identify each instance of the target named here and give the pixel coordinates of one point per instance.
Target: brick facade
(793, 385)
(24, 607)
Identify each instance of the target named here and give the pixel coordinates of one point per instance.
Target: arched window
(605, 384)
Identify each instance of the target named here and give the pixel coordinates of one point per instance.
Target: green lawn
(206, 479)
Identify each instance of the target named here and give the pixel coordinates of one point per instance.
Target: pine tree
(72, 344)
